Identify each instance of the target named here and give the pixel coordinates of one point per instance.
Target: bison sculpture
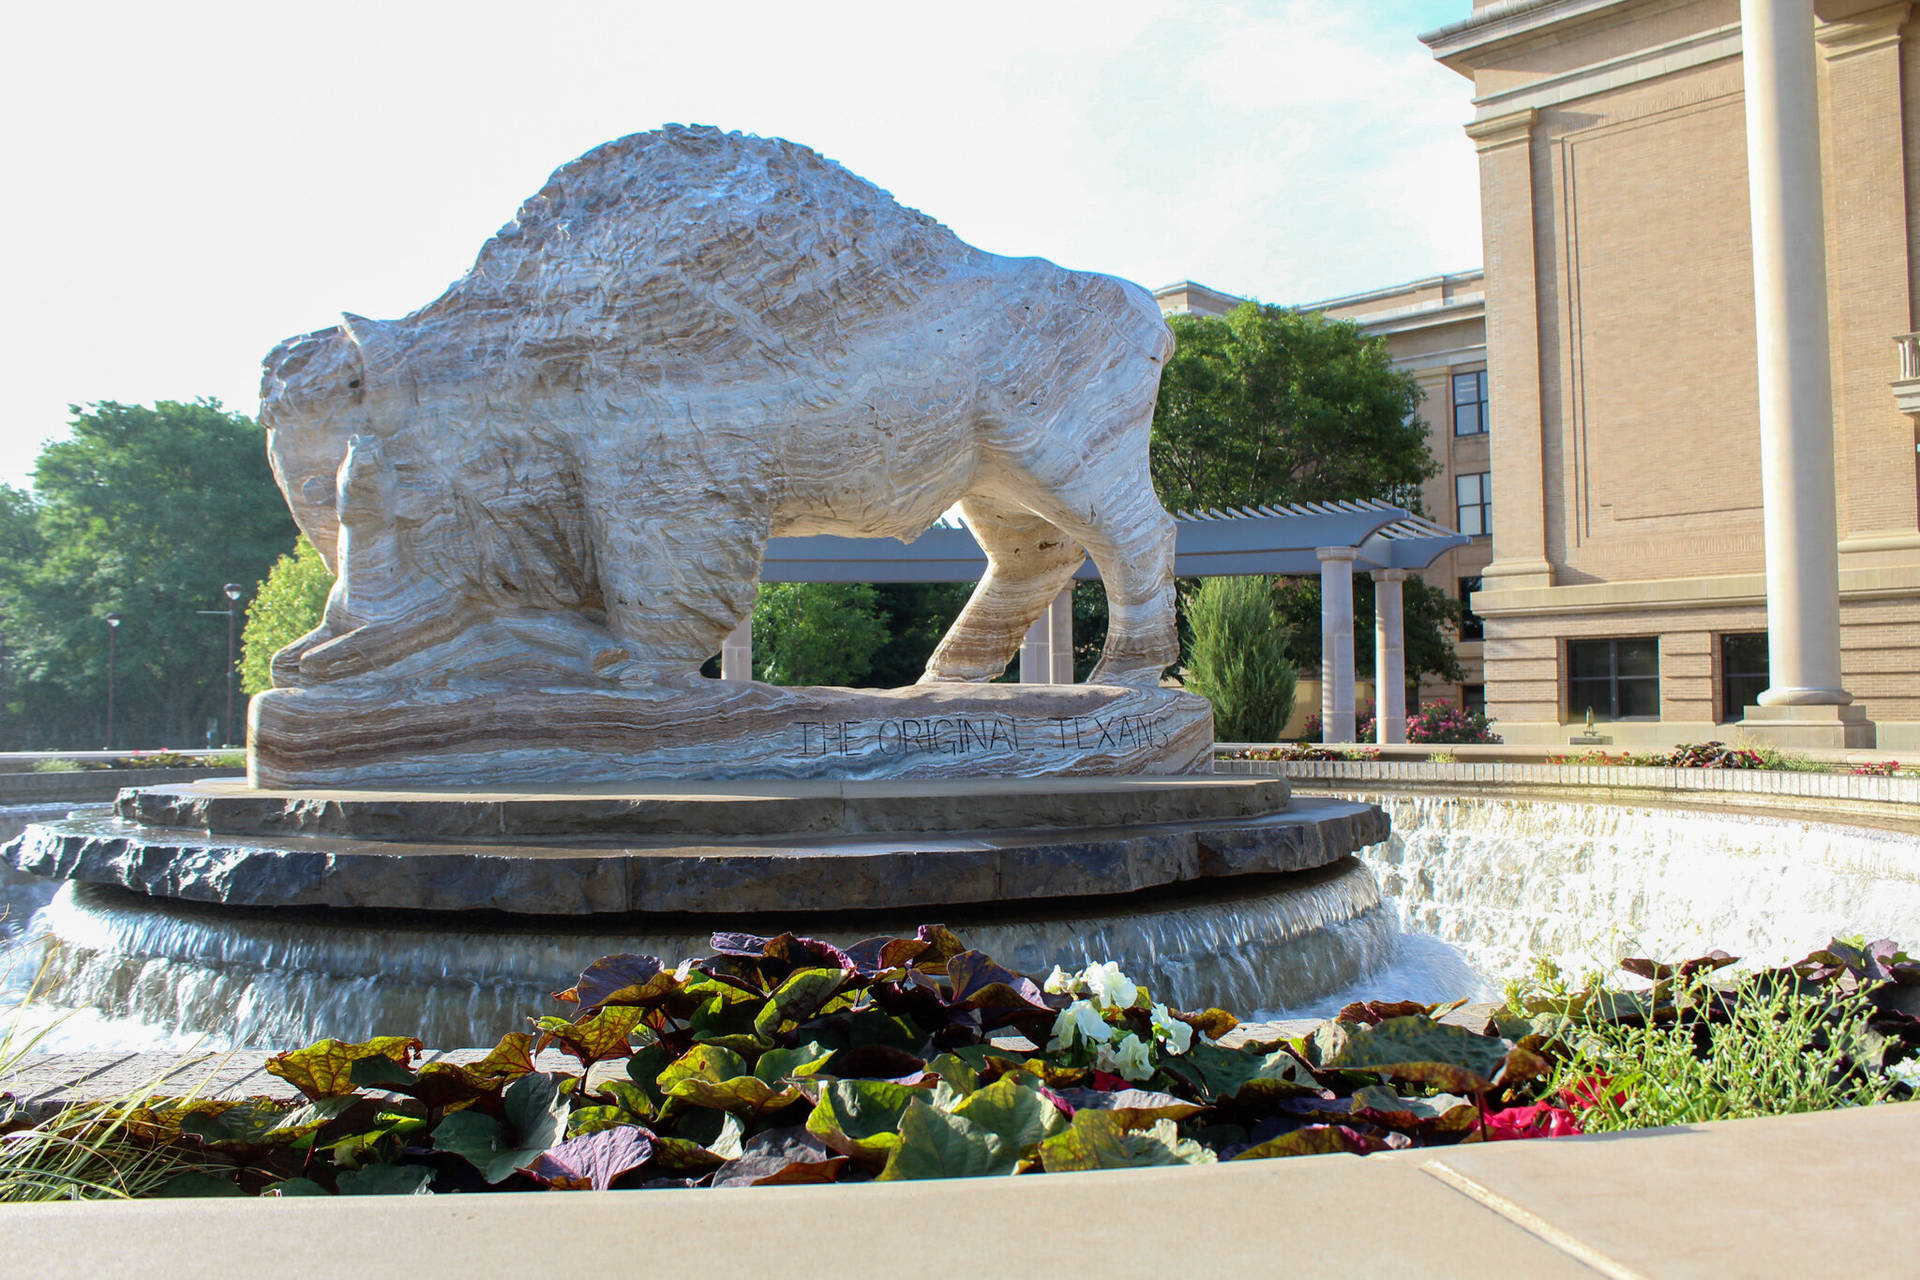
(689, 342)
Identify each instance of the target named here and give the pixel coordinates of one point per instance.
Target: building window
(1473, 698)
(1615, 679)
(1473, 504)
(1471, 625)
(1470, 403)
(1743, 673)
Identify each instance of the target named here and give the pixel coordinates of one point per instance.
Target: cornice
(1863, 32)
(1500, 131)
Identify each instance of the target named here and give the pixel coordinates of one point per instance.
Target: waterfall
(1467, 893)
(270, 979)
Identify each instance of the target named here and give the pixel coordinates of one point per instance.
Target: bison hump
(689, 246)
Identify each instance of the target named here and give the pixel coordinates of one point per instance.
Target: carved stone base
(1816, 727)
(339, 736)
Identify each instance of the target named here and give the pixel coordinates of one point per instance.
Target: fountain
(546, 496)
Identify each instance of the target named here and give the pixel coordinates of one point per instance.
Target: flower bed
(785, 1060)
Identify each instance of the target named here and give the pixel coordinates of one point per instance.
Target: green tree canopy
(145, 512)
(289, 604)
(815, 632)
(1269, 405)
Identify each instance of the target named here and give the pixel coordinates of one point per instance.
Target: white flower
(1078, 1021)
(1110, 987)
(1089, 1023)
(1136, 1061)
(1170, 1031)
(1062, 983)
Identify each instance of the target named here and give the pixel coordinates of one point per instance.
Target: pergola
(1334, 539)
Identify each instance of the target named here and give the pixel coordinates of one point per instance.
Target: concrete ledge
(1717, 1200)
(764, 808)
(91, 786)
(1888, 803)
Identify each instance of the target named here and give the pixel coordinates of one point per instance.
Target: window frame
(1730, 709)
(1483, 507)
(1613, 678)
(1472, 625)
(1478, 401)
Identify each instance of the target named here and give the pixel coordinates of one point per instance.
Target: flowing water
(1469, 892)
(261, 978)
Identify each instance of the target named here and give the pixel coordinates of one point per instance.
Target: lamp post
(113, 629)
(232, 590)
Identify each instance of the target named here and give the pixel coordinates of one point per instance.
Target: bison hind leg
(1115, 516)
(1029, 562)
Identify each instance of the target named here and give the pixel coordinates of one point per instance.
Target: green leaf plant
(785, 1060)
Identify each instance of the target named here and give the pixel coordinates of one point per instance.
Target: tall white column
(1389, 656)
(1060, 636)
(1795, 380)
(1336, 643)
(736, 652)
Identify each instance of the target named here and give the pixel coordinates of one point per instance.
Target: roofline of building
(1508, 19)
(1194, 286)
(1451, 280)
(1443, 281)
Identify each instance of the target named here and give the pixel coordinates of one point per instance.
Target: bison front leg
(675, 585)
(1029, 562)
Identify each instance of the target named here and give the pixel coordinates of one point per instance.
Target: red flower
(1540, 1121)
(1585, 1093)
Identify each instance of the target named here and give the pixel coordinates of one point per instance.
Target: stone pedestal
(1811, 726)
(334, 736)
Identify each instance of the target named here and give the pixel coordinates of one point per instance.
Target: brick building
(1652, 483)
(1630, 556)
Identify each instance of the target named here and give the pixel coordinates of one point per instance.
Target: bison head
(313, 401)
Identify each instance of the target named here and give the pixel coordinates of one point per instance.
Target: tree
(19, 550)
(1238, 659)
(1268, 405)
(807, 633)
(144, 512)
(914, 615)
(287, 606)
(1271, 406)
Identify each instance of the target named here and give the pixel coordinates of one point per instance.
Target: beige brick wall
(1621, 326)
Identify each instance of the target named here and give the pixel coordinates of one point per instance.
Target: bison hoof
(953, 677)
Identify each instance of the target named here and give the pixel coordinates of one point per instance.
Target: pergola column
(1060, 636)
(1046, 655)
(1795, 373)
(1389, 656)
(1336, 643)
(736, 652)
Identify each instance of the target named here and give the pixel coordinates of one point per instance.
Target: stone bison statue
(688, 342)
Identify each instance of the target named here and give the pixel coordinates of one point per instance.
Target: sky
(188, 183)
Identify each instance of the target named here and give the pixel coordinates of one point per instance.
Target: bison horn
(359, 328)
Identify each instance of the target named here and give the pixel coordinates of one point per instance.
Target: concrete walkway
(1792, 1196)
